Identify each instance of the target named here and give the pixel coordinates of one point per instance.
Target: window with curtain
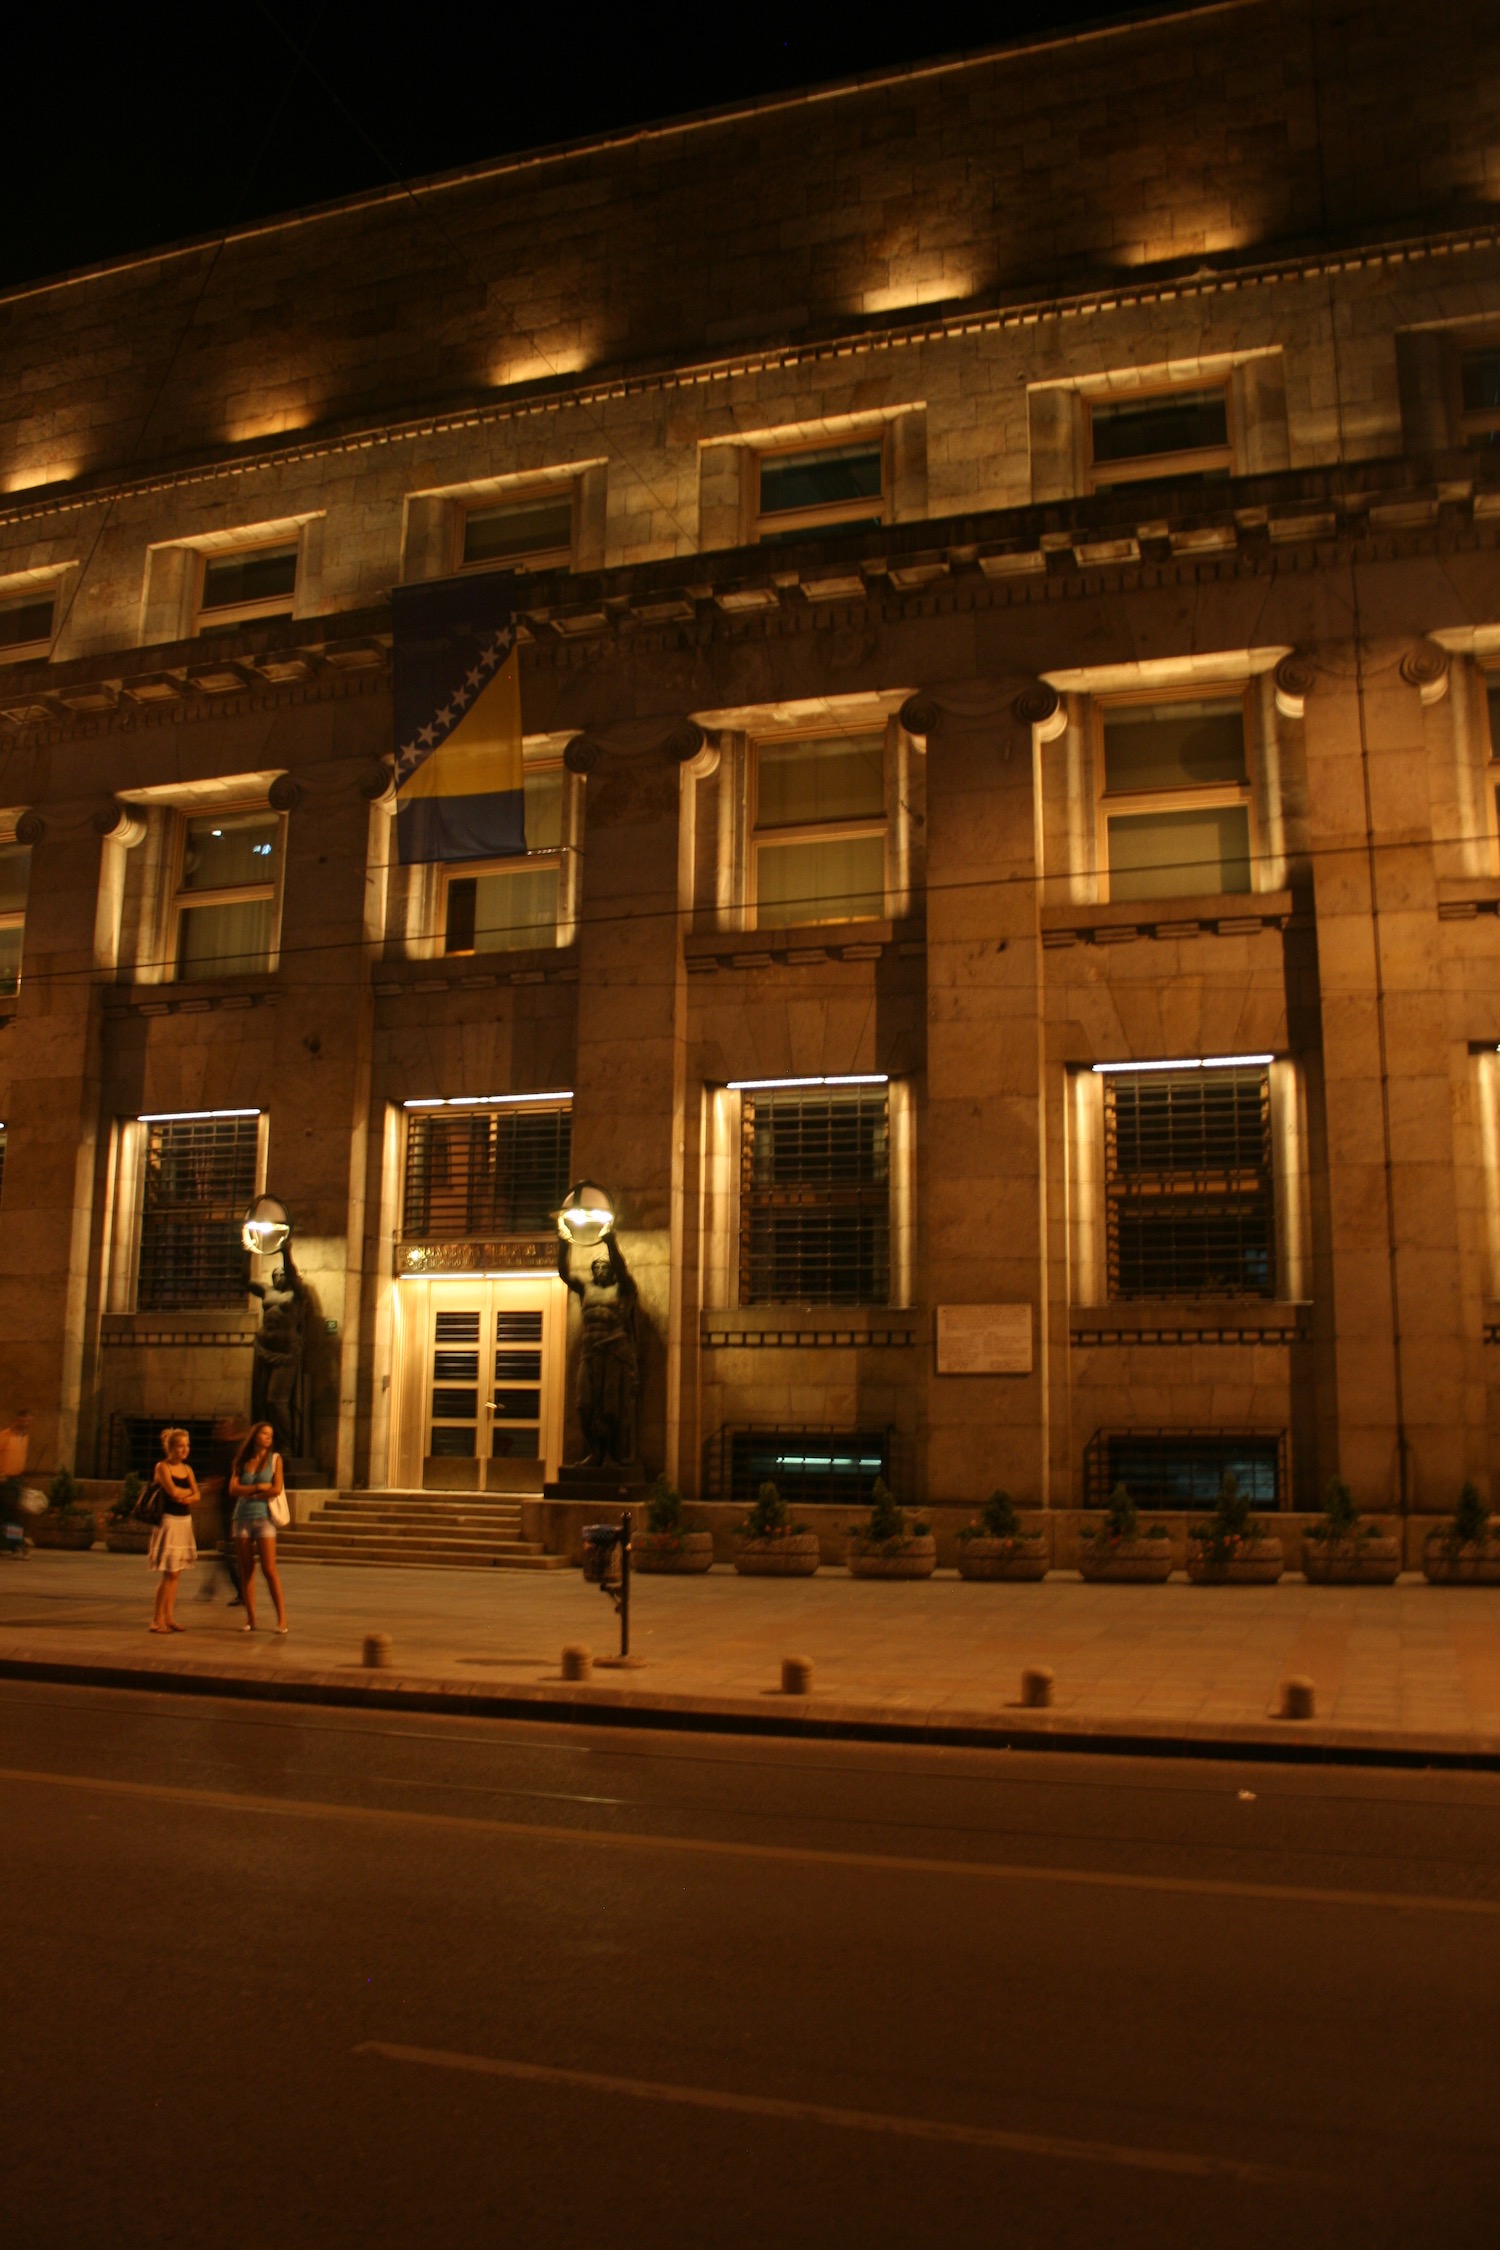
(509, 904)
(1175, 805)
(820, 830)
(227, 893)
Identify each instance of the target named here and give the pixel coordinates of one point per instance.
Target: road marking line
(797, 1855)
(853, 2120)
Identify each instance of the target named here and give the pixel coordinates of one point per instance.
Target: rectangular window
(198, 1180)
(815, 1198)
(836, 1468)
(227, 896)
(1185, 1468)
(1189, 1205)
(534, 532)
(814, 488)
(509, 904)
(1175, 806)
(15, 877)
(474, 1173)
(243, 583)
(26, 622)
(1163, 434)
(1479, 397)
(820, 829)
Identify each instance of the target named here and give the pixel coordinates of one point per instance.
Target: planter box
(792, 1554)
(1351, 1562)
(672, 1551)
(128, 1538)
(905, 1558)
(56, 1529)
(1477, 1564)
(1126, 1562)
(1022, 1557)
(1254, 1562)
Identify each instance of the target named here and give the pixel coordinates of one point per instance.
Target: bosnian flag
(458, 721)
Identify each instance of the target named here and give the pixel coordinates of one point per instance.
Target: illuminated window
(534, 532)
(26, 622)
(15, 877)
(1189, 1206)
(506, 905)
(819, 487)
(1479, 396)
(225, 909)
(475, 1173)
(1163, 434)
(815, 1197)
(197, 1179)
(1185, 1468)
(1175, 807)
(244, 583)
(836, 1467)
(820, 830)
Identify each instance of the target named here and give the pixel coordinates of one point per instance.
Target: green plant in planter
(1122, 1521)
(664, 1511)
(131, 1488)
(1231, 1526)
(64, 1493)
(771, 1518)
(997, 1519)
(885, 1529)
(1341, 1520)
(1468, 1526)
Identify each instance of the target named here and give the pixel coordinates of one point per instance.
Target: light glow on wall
(1186, 1062)
(764, 1085)
(485, 1101)
(187, 1116)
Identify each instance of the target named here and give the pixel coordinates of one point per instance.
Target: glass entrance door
(483, 1393)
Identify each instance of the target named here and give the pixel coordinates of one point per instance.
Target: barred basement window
(1185, 1468)
(198, 1180)
(1188, 1186)
(835, 1467)
(815, 1198)
(483, 1172)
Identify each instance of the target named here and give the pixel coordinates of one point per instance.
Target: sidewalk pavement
(1408, 1671)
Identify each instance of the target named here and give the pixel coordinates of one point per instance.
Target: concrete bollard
(1299, 1698)
(377, 1649)
(1036, 1687)
(577, 1662)
(796, 1675)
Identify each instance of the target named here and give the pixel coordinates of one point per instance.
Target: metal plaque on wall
(514, 1254)
(984, 1340)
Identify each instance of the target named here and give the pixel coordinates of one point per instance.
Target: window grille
(482, 1172)
(1185, 1468)
(815, 1215)
(1188, 1188)
(199, 1178)
(809, 1467)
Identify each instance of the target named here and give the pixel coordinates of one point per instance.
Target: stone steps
(419, 1530)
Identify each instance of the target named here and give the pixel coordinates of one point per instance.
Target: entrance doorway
(479, 1401)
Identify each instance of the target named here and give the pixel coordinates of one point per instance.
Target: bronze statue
(276, 1368)
(610, 1378)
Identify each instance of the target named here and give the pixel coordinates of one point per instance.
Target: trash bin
(601, 1554)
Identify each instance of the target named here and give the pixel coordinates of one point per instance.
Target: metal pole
(625, 1583)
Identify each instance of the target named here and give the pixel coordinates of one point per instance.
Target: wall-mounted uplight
(486, 1101)
(1186, 1062)
(764, 1085)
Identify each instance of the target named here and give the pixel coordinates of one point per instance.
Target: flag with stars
(458, 721)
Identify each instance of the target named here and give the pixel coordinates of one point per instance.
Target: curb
(1268, 1743)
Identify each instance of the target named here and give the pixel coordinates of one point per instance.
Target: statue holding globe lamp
(610, 1377)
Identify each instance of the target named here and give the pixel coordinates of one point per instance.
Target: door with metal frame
(483, 1388)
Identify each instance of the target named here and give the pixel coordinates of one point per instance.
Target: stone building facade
(1007, 561)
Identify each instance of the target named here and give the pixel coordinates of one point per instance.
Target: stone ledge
(1214, 914)
(1189, 1320)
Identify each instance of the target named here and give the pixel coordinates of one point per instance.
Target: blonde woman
(255, 1481)
(173, 1547)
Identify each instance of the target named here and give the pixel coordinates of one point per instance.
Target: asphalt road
(302, 1977)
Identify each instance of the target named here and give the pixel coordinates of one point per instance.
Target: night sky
(135, 127)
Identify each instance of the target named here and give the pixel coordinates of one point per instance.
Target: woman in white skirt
(173, 1547)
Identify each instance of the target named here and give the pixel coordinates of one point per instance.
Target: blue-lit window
(836, 1467)
(1185, 1469)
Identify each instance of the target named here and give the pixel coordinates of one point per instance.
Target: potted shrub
(122, 1534)
(1233, 1548)
(1463, 1552)
(1345, 1549)
(1118, 1552)
(995, 1546)
(67, 1522)
(883, 1547)
(769, 1545)
(665, 1545)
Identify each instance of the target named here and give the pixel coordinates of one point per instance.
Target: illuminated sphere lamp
(587, 1215)
(267, 1227)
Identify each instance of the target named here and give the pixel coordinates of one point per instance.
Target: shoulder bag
(281, 1509)
(148, 1508)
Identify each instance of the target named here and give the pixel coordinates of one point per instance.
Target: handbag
(148, 1508)
(281, 1510)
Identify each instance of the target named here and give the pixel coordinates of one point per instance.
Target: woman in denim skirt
(255, 1481)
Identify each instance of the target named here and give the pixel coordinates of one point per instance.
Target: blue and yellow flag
(458, 721)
